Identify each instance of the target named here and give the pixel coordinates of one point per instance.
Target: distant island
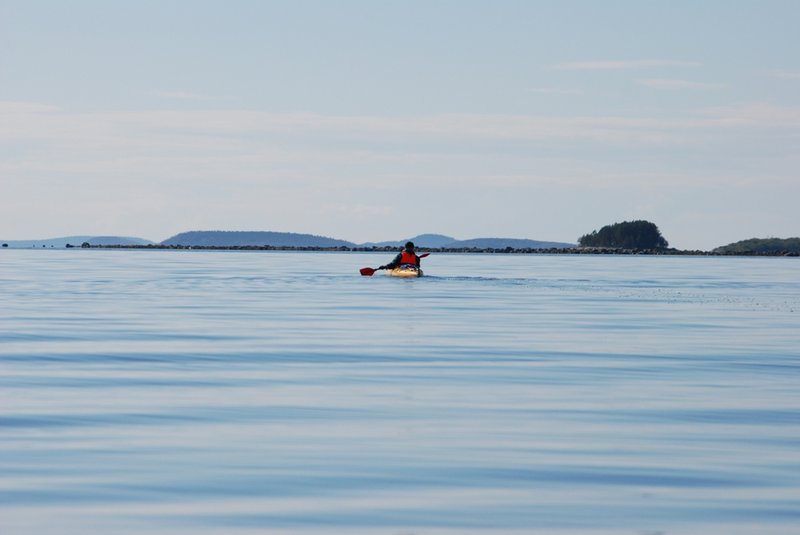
(75, 241)
(637, 237)
(763, 246)
(440, 241)
(286, 239)
(234, 239)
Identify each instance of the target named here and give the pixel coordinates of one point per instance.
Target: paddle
(368, 271)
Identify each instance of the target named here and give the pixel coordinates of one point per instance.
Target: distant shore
(458, 250)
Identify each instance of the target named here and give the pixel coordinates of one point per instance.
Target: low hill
(221, 238)
(422, 240)
(761, 246)
(440, 241)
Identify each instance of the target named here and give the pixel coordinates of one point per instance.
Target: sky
(380, 120)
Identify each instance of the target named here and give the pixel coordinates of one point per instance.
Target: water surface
(171, 392)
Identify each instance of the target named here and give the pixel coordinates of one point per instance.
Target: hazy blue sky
(374, 120)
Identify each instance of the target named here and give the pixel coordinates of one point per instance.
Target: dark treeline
(626, 235)
(450, 250)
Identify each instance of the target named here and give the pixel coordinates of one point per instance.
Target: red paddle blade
(423, 255)
(367, 271)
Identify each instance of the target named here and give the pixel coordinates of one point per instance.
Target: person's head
(410, 247)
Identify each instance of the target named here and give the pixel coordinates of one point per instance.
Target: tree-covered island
(626, 235)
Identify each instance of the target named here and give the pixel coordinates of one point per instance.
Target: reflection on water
(196, 392)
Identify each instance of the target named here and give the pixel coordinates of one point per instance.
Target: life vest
(408, 258)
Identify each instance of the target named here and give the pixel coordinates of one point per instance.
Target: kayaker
(407, 256)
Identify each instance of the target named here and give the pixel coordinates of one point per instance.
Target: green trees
(626, 235)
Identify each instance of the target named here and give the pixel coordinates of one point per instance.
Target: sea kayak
(405, 271)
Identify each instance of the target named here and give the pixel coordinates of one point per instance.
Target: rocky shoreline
(464, 250)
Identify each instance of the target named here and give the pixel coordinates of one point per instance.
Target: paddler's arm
(394, 263)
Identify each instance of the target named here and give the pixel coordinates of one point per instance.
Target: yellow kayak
(405, 271)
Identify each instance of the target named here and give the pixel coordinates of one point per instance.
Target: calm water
(194, 392)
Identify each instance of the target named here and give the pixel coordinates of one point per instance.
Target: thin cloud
(755, 115)
(555, 91)
(787, 75)
(185, 95)
(672, 84)
(618, 65)
(18, 107)
(237, 134)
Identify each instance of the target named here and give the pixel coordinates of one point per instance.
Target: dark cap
(409, 245)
